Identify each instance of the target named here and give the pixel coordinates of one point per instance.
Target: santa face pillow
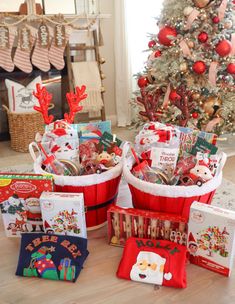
(20, 98)
(154, 262)
(53, 257)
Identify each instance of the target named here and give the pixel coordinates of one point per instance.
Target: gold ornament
(102, 89)
(211, 105)
(201, 3)
(196, 96)
(190, 44)
(183, 66)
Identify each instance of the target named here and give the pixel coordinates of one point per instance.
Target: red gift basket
(99, 190)
(169, 199)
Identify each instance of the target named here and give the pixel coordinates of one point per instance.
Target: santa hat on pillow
(191, 239)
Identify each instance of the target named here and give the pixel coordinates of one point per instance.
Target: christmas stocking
(7, 37)
(40, 57)
(26, 41)
(59, 41)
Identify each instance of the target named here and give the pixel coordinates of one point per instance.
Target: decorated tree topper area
(189, 74)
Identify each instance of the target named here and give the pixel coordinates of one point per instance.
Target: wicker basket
(23, 128)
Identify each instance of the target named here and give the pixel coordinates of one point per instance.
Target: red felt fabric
(150, 261)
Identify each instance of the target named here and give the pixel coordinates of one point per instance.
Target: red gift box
(19, 201)
(129, 222)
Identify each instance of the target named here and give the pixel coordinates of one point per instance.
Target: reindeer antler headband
(73, 99)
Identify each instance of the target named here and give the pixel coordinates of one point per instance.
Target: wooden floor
(97, 283)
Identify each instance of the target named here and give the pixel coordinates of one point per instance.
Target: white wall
(107, 51)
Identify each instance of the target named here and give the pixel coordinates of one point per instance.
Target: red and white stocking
(7, 37)
(59, 41)
(40, 57)
(26, 39)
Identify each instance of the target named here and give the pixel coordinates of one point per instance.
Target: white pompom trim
(165, 190)
(80, 181)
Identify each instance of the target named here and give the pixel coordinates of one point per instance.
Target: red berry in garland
(157, 54)
(215, 19)
(202, 37)
(143, 82)
(231, 68)
(199, 67)
(223, 48)
(151, 43)
(195, 115)
(165, 33)
(174, 96)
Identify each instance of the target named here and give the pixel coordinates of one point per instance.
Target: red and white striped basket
(99, 190)
(164, 198)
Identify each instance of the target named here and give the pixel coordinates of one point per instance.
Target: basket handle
(33, 145)
(223, 158)
(51, 106)
(6, 108)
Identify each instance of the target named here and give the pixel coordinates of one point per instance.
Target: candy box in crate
(168, 198)
(63, 213)
(19, 201)
(129, 222)
(211, 234)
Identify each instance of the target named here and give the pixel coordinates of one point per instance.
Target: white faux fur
(165, 190)
(85, 180)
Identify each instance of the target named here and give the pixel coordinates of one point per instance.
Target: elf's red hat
(46, 225)
(191, 239)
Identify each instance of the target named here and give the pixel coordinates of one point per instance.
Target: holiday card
(19, 202)
(52, 257)
(211, 237)
(63, 213)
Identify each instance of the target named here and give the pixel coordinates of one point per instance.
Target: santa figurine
(34, 216)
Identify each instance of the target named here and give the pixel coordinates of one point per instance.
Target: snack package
(19, 202)
(130, 222)
(63, 213)
(211, 234)
(154, 262)
(52, 257)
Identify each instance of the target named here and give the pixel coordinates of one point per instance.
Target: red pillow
(153, 261)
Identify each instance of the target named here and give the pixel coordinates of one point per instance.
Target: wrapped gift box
(211, 237)
(63, 213)
(129, 222)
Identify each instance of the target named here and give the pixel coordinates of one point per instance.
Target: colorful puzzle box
(211, 237)
(19, 202)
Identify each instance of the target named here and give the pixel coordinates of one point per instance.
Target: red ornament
(202, 37)
(199, 67)
(151, 43)
(165, 33)
(157, 54)
(231, 68)
(223, 48)
(195, 115)
(143, 82)
(215, 19)
(174, 96)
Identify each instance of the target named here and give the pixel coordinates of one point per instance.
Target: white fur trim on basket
(165, 190)
(85, 180)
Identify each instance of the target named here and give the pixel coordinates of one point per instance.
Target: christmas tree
(189, 78)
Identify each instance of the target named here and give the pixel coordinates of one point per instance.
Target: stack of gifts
(29, 208)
